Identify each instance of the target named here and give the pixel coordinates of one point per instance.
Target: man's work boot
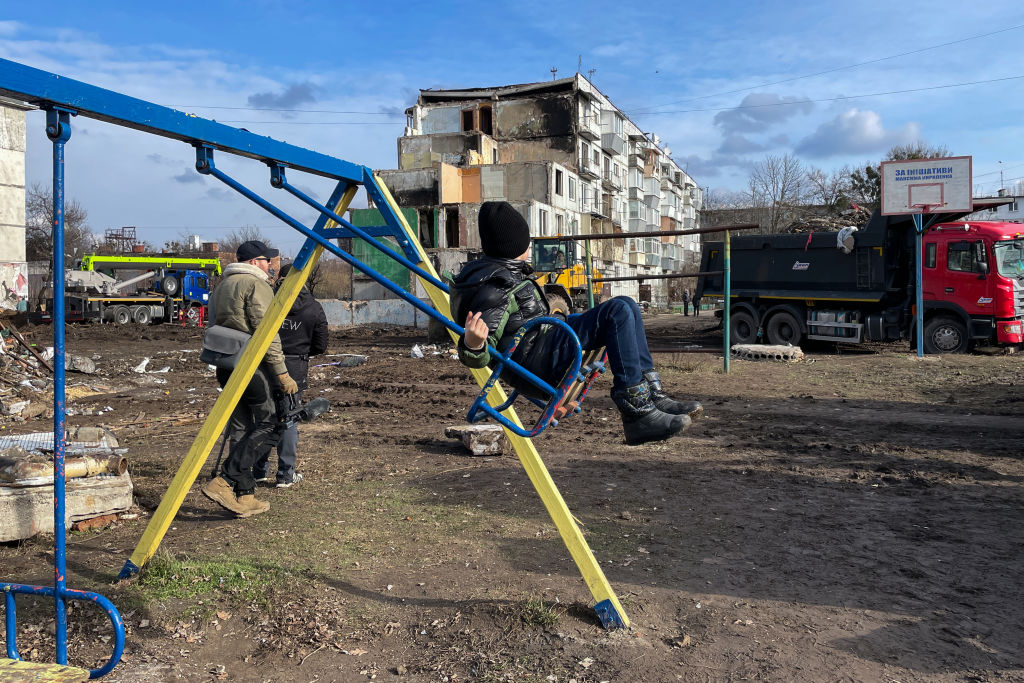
(666, 404)
(641, 420)
(251, 506)
(223, 493)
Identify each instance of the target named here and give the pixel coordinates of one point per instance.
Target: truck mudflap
(1010, 332)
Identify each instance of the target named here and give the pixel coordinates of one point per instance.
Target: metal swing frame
(63, 98)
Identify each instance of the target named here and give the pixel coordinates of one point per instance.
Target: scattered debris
(483, 439)
(344, 360)
(416, 351)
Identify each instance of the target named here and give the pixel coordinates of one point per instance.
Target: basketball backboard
(926, 184)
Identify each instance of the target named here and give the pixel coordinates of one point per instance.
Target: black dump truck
(858, 285)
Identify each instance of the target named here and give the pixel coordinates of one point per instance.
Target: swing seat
(565, 399)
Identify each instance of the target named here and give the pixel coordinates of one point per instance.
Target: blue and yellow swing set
(63, 98)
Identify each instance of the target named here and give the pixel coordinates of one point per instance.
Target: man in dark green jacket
(239, 302)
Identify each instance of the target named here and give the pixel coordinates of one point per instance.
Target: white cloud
(760, 111)
(9, 28)
(854, 132)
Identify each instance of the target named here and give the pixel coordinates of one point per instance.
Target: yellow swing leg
(607, 604)
(225, 404)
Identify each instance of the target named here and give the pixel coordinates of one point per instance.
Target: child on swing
(495, 296)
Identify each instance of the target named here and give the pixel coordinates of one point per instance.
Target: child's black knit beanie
(504, 232)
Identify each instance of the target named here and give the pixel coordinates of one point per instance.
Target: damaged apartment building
(565, 157)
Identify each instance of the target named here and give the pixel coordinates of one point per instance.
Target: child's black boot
(666, 404)
(641, 420)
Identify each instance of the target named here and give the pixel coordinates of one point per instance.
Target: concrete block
(484, 439)
(767, 352)
(27, 511)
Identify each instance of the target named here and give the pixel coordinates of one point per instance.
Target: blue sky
(722, 84)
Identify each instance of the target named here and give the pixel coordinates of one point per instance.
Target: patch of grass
(539, 614)
(168, 577)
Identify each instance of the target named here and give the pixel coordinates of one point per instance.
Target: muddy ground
(856, 516)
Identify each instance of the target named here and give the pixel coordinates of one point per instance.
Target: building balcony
(636, 192)
(652, 260)
(613, 143)
(618, 217)
(636, 160)
(637, 224)
(588, 169)
(611, 182)
(668, 264)
(590, 128)
(636, 258)
(652, 188)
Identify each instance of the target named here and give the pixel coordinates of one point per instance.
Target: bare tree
(233, 239)
(78, 238)
(778, 187)
(829, 189)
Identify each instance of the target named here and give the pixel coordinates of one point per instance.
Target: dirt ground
(857, 516)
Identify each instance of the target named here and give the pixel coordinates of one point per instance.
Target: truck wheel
(142, 315)
(943, 334)
(170, 285)
(122, 315)
(742, 328)
(559, 306)
(783, 328)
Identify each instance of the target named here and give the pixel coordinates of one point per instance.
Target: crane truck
(173, 288)
(858, 285)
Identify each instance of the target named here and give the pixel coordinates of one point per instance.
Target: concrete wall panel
(442, 120)
(492, 183)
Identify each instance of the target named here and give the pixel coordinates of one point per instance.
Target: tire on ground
(783, 328)
(945, 334)
(122, 315)
(742, 328)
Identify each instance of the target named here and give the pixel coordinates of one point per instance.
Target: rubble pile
(26, 377)
(856, 216)
(99, 486)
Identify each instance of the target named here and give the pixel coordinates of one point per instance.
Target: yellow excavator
(562, 277)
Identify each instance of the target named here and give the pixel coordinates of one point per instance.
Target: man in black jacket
(303, 334)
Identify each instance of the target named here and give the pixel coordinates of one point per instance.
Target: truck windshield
(548, 256)
(1010, 258)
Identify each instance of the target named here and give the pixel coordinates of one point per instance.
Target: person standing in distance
(303, 334)
(240, 302)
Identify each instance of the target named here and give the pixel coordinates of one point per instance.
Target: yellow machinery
(563, 278)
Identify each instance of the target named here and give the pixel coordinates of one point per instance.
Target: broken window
(572, 188)
(485, 121)
(467, 119)
(558, 182)
(451, 226)
(559, 223)
(542, 221)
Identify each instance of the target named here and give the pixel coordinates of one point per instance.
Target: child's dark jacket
(507, 297)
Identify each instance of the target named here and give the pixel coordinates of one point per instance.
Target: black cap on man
(247, 251)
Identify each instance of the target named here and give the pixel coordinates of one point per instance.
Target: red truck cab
(976, 271)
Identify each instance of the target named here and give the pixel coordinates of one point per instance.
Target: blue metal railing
(58, 129)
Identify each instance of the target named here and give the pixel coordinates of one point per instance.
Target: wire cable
(836, 99)
(829, 71)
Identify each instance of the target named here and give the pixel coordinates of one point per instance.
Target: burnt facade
(564, 156)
